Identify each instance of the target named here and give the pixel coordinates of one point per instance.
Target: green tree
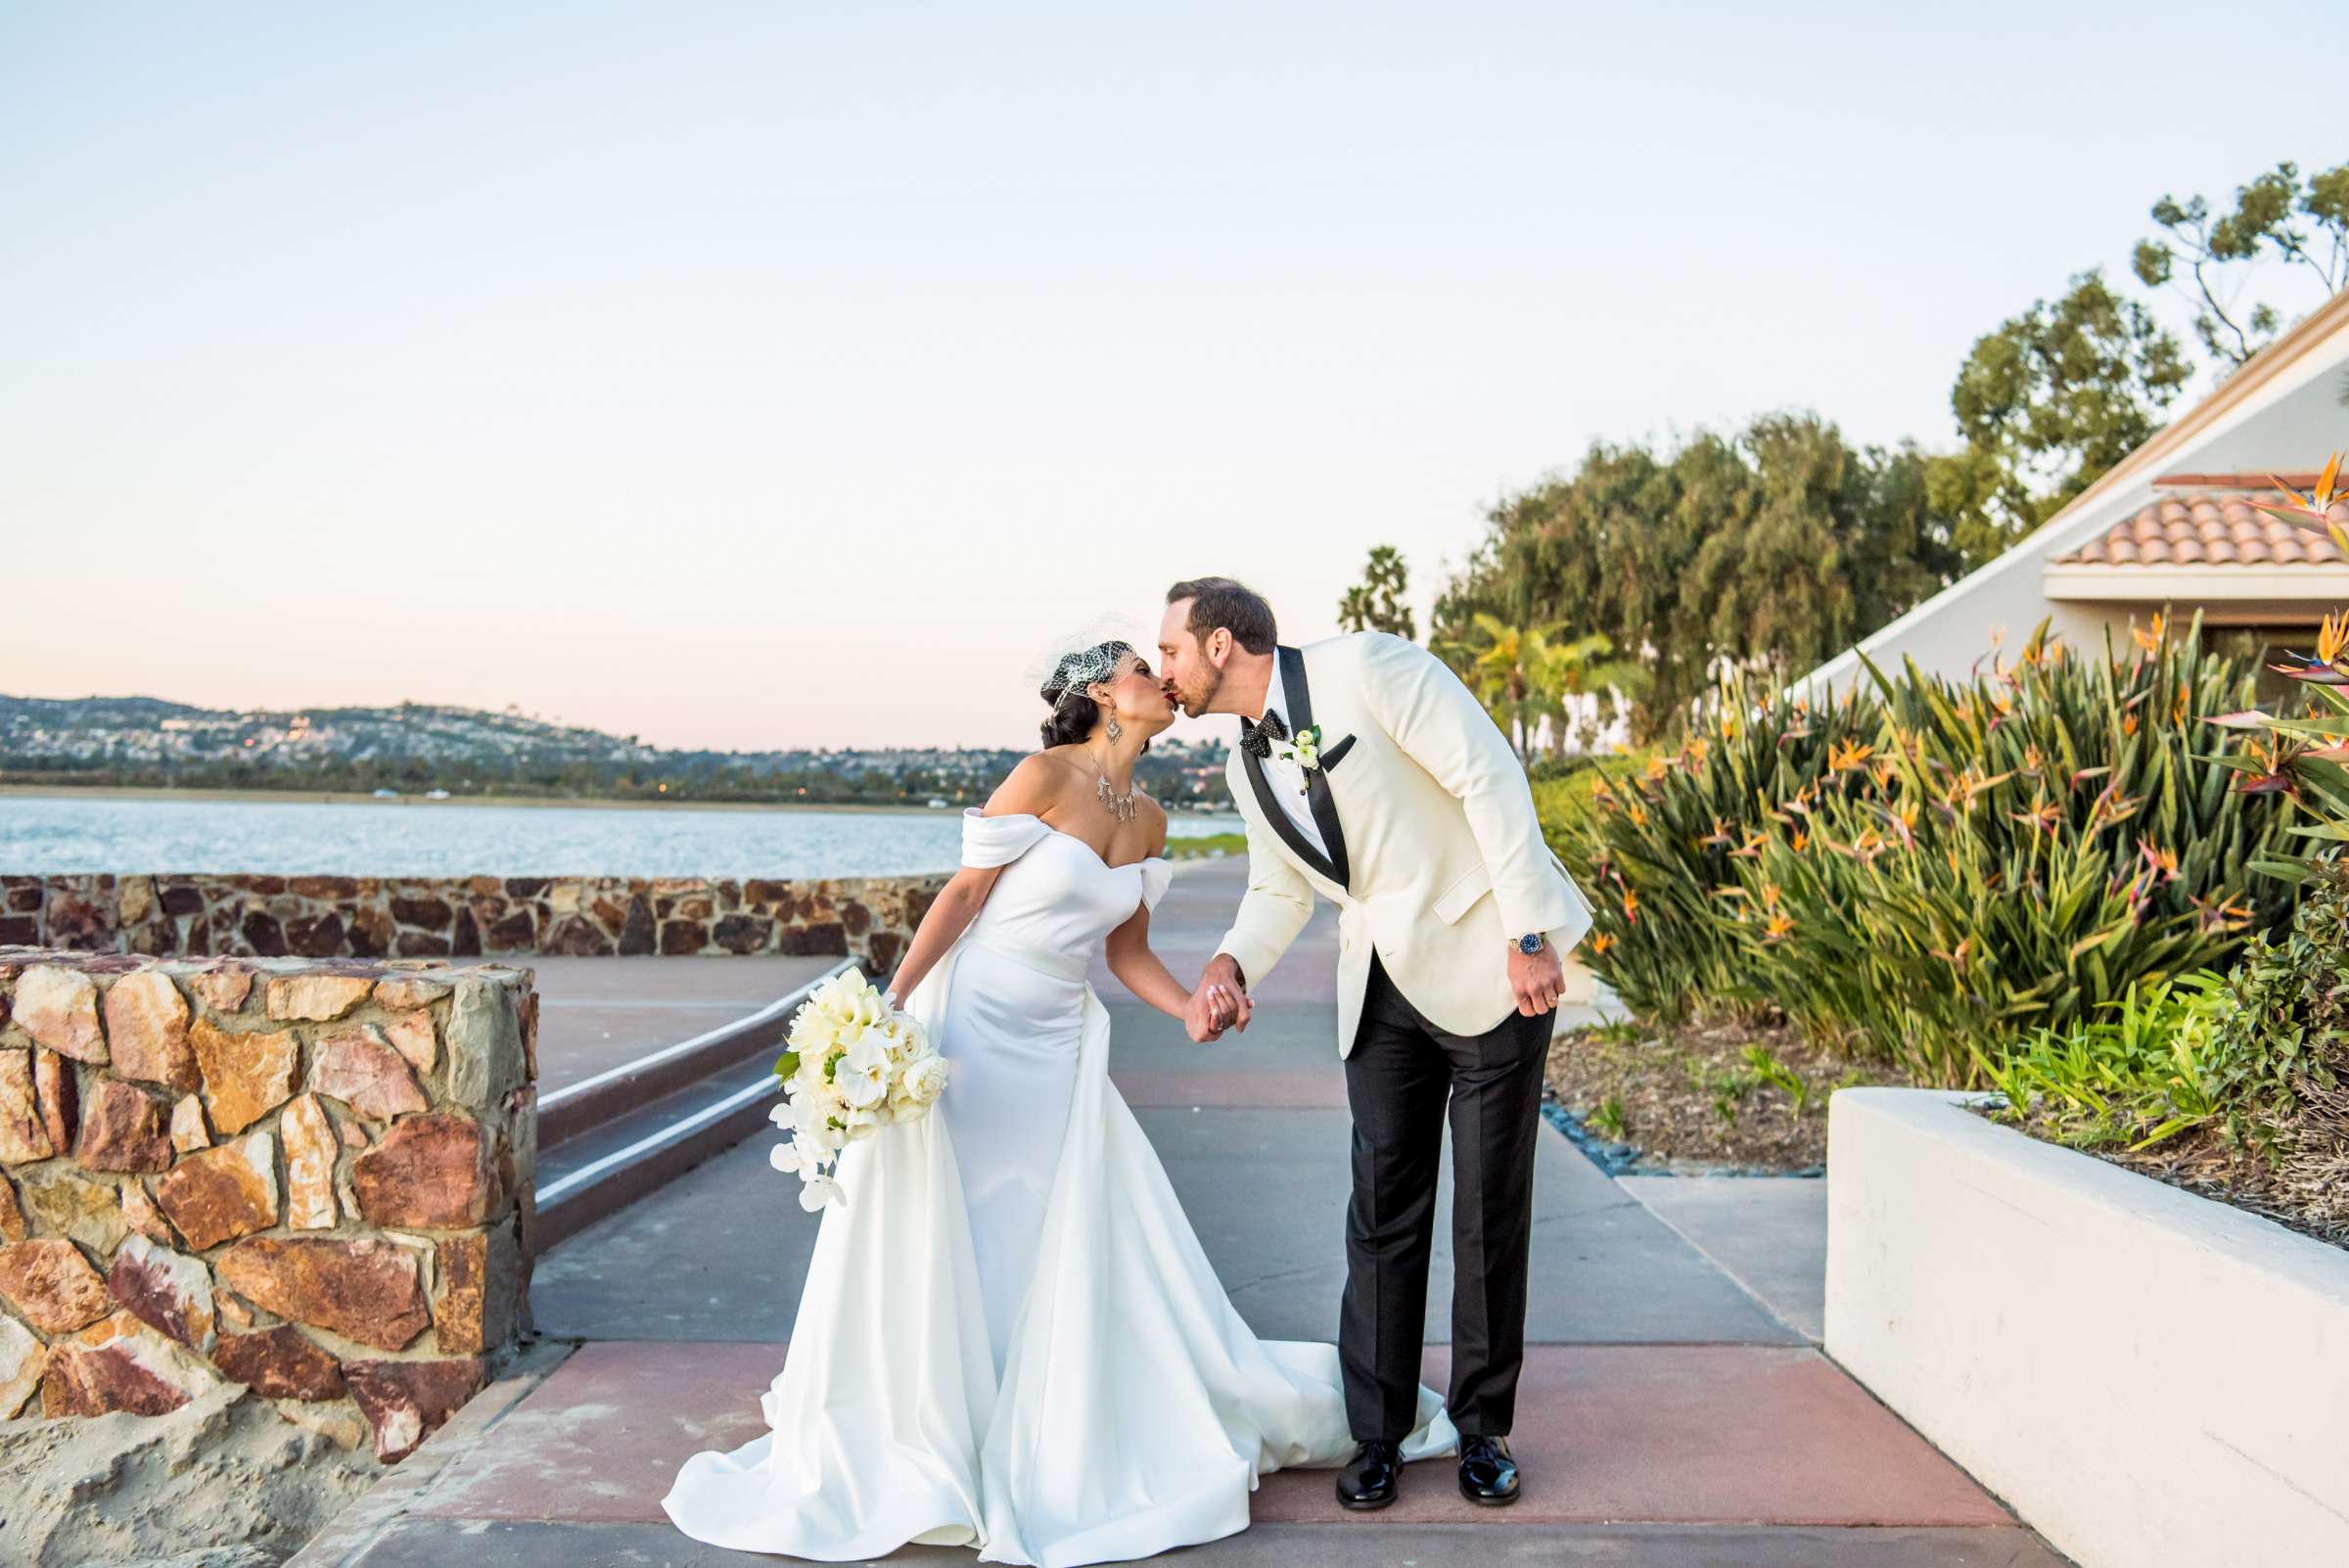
(1375, 604)
(2303, 224)
(2046, 404)
(1777, 545)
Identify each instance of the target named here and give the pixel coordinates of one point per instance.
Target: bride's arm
(956, 905)
(1141, 971)
(1026, 791)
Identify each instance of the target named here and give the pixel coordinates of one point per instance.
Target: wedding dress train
(1009, 1337)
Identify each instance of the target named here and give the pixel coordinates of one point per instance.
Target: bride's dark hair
(1075, 715)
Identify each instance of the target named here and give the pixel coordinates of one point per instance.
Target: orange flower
(1600, 944)
(2333, 634)
(1800, 842)
(1779, 928)
(2314, 510)
(1844, 755)
(2044, 816)
(1631, 905)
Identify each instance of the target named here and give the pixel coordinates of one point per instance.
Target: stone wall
(870, 918)
(309, 1178)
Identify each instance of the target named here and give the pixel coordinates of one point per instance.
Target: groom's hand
(1536, 977)
(1220, 1003)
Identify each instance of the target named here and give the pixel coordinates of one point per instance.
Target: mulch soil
(2204, 1163)
(1687, 1099)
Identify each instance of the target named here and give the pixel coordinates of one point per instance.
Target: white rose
(924, 1079)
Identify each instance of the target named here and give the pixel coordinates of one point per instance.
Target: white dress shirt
(1282, 772)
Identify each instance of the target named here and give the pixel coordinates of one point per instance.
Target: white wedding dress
(1009, 1337)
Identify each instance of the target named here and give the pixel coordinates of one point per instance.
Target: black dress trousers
(1399, 1077)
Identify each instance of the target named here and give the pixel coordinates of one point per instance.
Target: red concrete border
(1682, 1434)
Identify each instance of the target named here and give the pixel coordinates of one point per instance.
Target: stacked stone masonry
(310, 1178)
(869, 918)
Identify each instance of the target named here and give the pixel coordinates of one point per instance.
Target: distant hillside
(418, 746)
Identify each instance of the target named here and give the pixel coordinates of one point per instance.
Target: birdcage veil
(1084, 653)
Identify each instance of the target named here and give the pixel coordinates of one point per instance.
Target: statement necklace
(1119, 806)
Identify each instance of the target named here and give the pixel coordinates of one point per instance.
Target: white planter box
(2148, 1377)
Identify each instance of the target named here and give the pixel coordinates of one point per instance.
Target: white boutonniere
(1304, 749)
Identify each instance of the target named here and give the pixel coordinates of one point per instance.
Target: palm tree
(1523, 674)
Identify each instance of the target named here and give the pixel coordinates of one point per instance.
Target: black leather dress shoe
(1369, 1477)
(1488, 1474)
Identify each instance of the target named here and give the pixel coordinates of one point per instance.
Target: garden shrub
(1928, 869)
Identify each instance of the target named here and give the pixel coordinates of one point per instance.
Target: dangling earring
(1115, 729)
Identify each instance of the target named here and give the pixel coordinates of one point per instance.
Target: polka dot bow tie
(1256, 739)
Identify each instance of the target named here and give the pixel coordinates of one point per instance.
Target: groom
(1367, 774)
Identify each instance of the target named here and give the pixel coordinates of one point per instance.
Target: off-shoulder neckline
(972, 810)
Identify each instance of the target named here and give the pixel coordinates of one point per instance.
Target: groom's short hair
(1230, 604)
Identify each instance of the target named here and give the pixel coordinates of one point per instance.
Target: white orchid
(820, 1192)
(863, 1076)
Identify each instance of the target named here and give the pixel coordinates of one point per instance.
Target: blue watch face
(1529, 943)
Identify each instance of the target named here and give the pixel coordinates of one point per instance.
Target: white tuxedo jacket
(1436, 857)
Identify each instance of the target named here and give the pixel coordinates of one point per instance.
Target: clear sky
(767, 373)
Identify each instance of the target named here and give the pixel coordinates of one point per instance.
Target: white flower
(813, 1129)
(780, 1113)
(793, 1158)
(924, 1079)
(862, 1077)
(849, 999)
(822, 1192)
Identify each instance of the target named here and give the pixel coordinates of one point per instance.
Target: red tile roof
(2210, 527)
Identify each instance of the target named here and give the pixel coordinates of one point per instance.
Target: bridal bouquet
(856, 1065)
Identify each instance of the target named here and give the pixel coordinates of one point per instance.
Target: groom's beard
(1203, 703)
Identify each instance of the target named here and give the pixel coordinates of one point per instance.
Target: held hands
(1536, 979)
(1220, 1003)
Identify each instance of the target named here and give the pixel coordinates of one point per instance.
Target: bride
(1009, 1337)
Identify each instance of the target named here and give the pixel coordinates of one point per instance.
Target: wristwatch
(1530, 944)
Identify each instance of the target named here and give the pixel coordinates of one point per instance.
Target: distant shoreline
(126, 792)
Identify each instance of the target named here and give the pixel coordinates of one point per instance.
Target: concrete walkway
(1674, 1411)
(599, 1013)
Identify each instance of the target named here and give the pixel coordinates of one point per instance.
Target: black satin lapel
(1317, 787)
(1278, 819)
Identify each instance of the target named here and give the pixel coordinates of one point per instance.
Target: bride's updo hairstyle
(1073, 711)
